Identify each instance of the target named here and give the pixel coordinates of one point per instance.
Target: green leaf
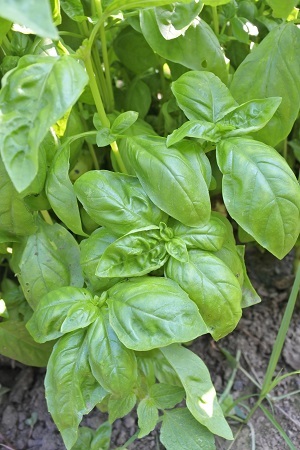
(116, 201)
(73, 9)
(201, 398)
(142, 58)
(52, 310)
(261, 193)
(124, 121)
(250, 116)
(197, 49)
(272, 69)
(50, 260)
(180, 431)
(80, 316)
(199, 129)
(250, 296)
(85, 436)
(113, 365)
(173, 20)
(147, 414)
(129, 4)
(120, 406)
(166, 174)
(5, 26)
(138, 97)
(60, 191)
(166, 396)
(134, 254)
(213, 287)
(16, 343)
(209, 237)
(104, 137)
(282, 9)
(71, 389)
(15, 217)
(215, 2)
(177, 249)
(201, 95)
(152, 312)
(101, 439)
(91, 250)
(33, 15)
(45, 86)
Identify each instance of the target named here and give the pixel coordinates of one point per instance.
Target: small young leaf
(36, 16)
(169, 178)
(202, 95)
(91, 250)
(149, 312)
(80, 316)
(209, 237)
(134, 254)
(117, 201)
(104, 137)
(200, 129)
(60, 191)
(120, 406)
(166, 396)
(113, 365)
(213, 287)
(147, 416)
(50, 260)
(124, 121)
(52, 310)
(201, 398)
(71, 389)
(177, 249)
(261, 193)
(85, 436)
(180, 431)
(101, 439)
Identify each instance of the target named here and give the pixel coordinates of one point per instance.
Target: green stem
(215, 19)
(115, 149)
(278, 345)
(46, 217)
(100, 75)
(231, 379)
(90, 146)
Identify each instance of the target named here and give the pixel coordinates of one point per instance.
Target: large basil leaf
(250, 116)
(172, 182)
(173, 20)
(273, 69)
(209, 237)
(52, 310)
(201, 95)
(71, 389)
(137, 253)
(45, 86)
(152, 312)
(91, 250)
(33, 15)
(201, 398)
(197, 49)
(261, 193)
(180, 431)
(116, 201)
(113, 365)
(14, 215)
(60, 191)
(50, 260)
(16, 343)
(213, 287)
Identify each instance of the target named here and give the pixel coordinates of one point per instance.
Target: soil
(25, 423)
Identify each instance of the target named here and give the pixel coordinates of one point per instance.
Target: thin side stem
(215, 19)
(46, 217)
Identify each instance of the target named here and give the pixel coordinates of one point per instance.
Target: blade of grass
(278, 427)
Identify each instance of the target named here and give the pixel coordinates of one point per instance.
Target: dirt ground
(26, 425)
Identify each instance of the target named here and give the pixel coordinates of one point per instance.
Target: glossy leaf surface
(200, 129)
(272, 69)
(134, 254)
(71, 389)
(52, 310)
(180, 431)
(45, 86)
(201, 398)
(172, 182)
(113, 365)
(50, 260)
(152, 312)
(213, 287)
(116, 201)
(166, 396)
(261, 193)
